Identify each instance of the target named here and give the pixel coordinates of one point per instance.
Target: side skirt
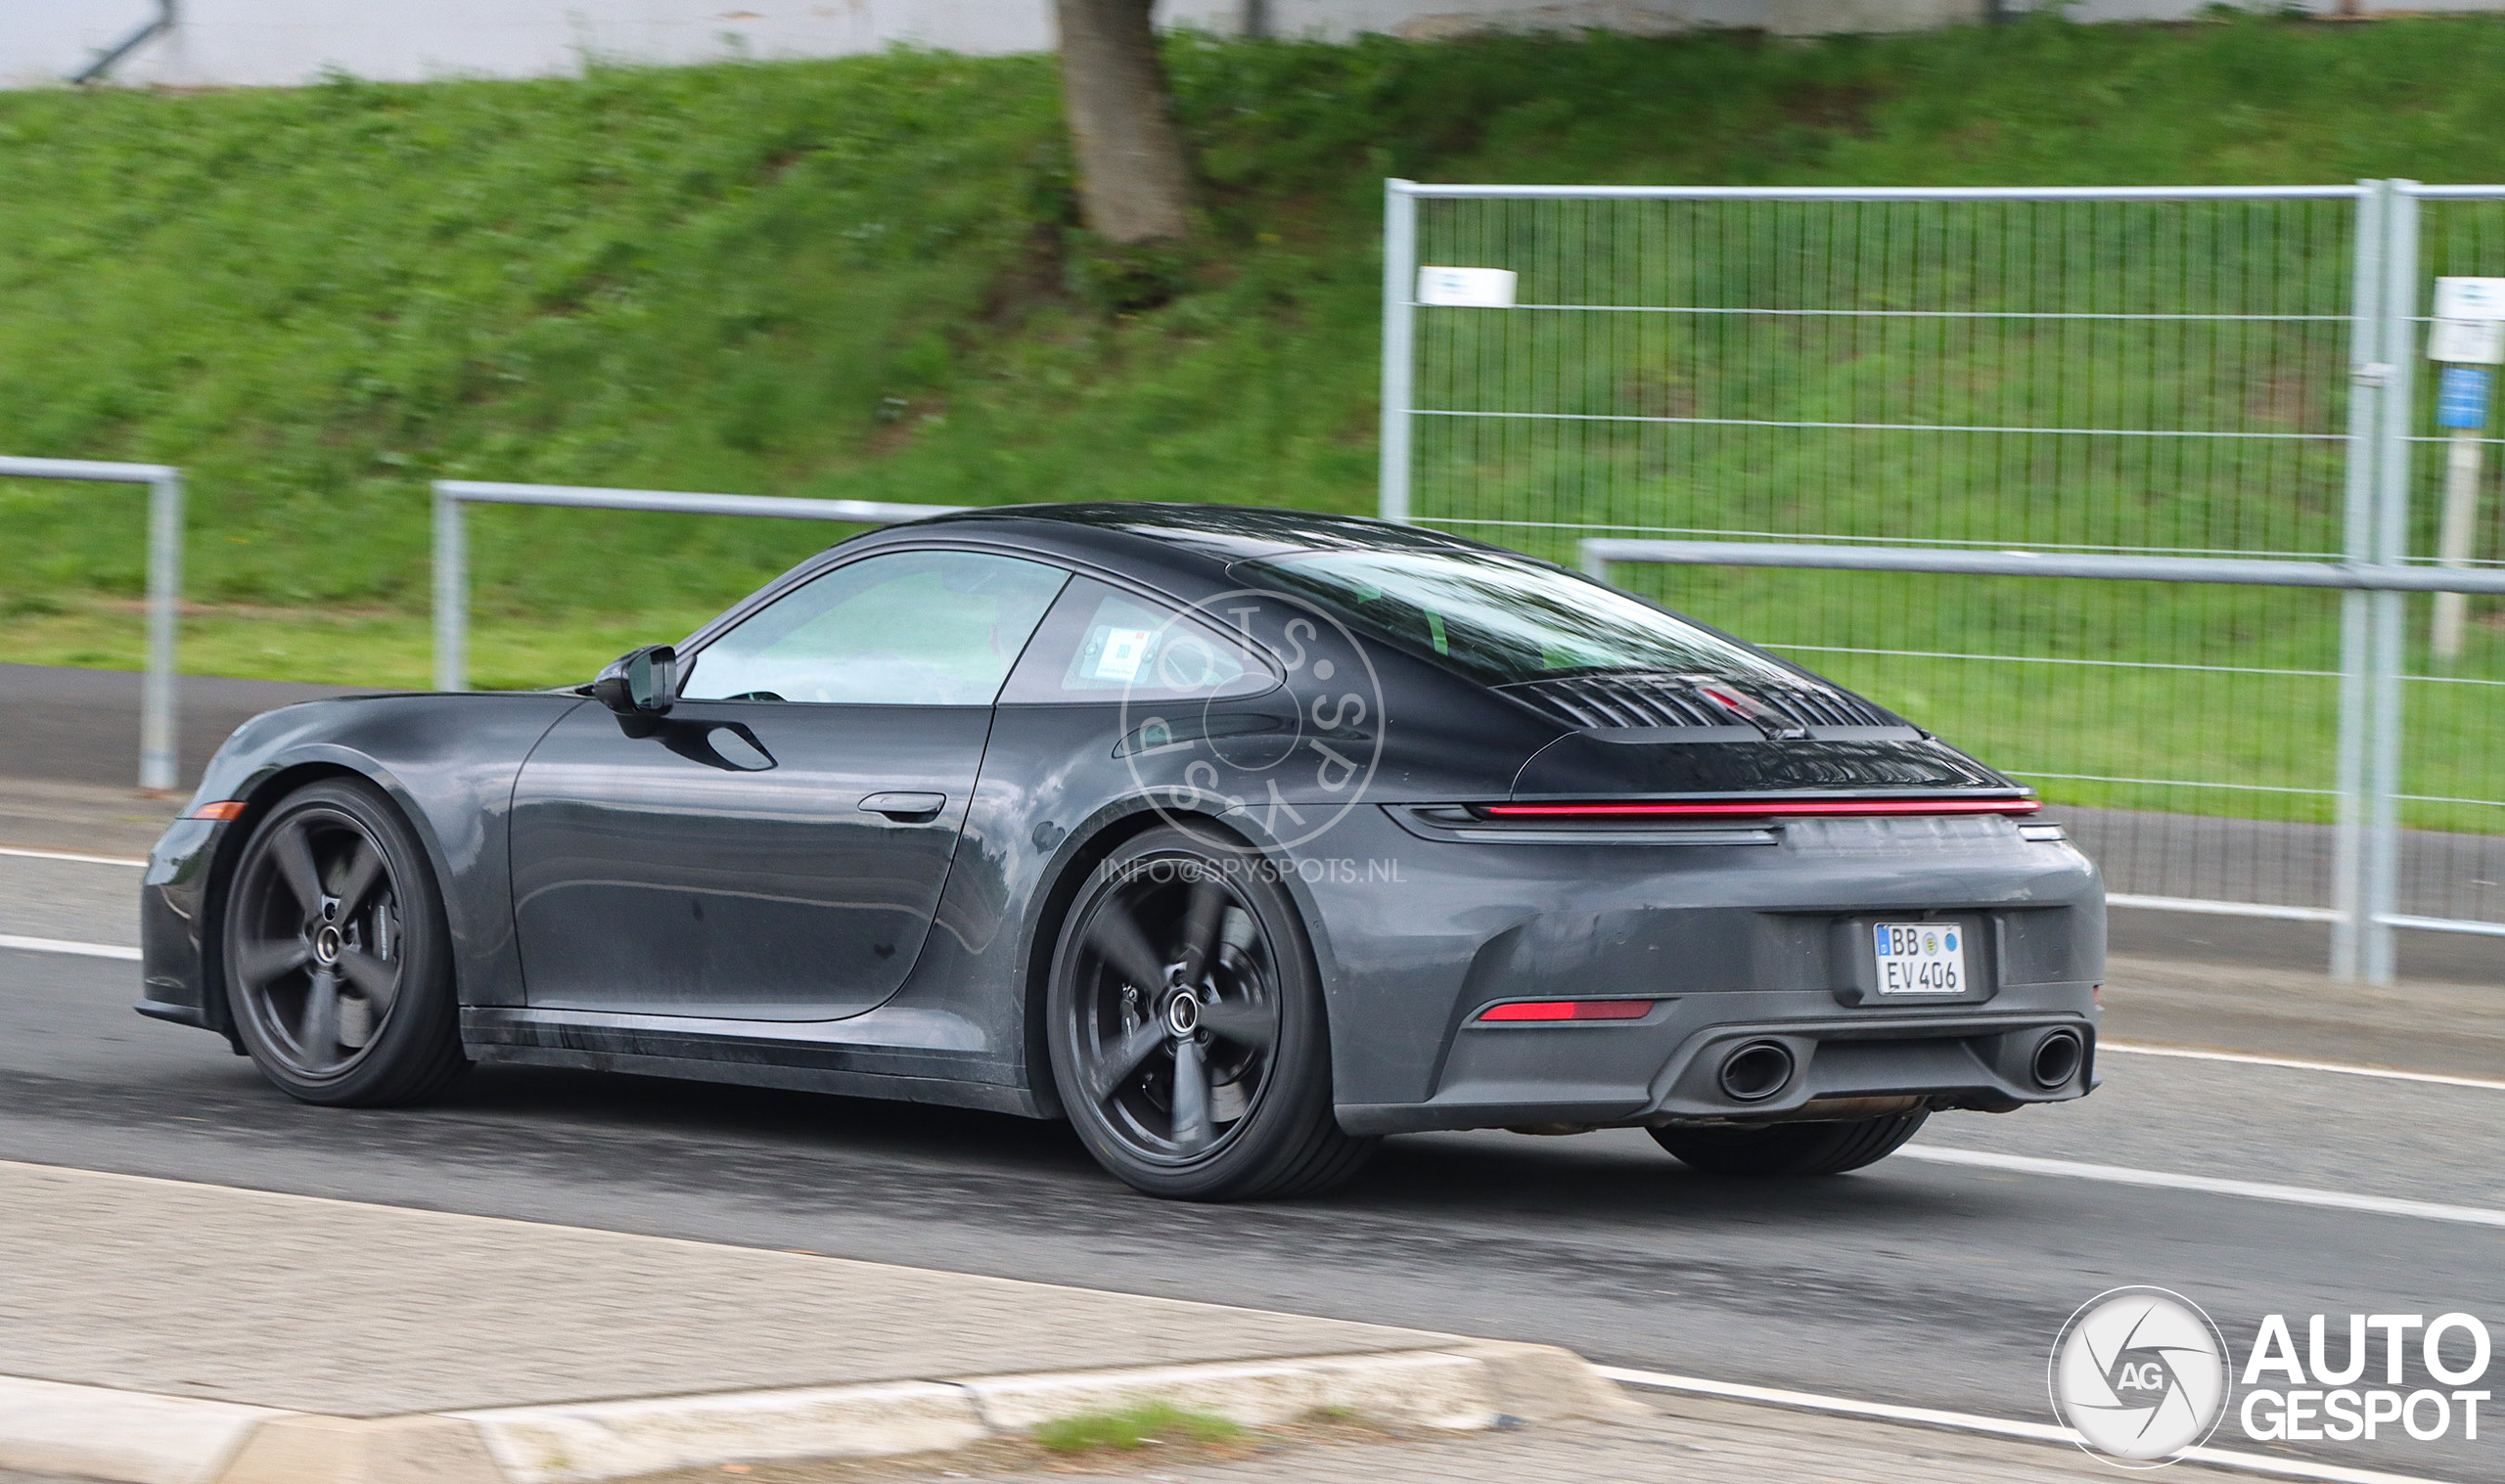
(498, 1035)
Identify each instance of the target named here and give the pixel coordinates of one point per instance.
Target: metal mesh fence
(2134, 372)
(2451, 768)
(2115, 373)
(2193, 730)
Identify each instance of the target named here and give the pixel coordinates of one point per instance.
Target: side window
(911, 628)
(1104, 645)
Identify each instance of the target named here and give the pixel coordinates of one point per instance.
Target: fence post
(2388, 611)
(451, 593)
(159, 755)
(1399, 290)
(159, 702)
(2365, 393)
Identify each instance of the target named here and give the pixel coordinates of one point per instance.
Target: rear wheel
(338, 966)
(1187, 1029)
(1789, 1149)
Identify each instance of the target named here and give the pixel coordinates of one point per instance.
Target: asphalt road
(80, 726)
(1915, 1282)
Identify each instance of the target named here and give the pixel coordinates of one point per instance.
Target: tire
(1789, 1149)
(1162, 914)
(338, 963)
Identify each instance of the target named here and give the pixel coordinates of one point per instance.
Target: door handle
(907, 808)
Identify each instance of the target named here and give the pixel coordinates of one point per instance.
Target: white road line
(26, 853)
(63, 945)
(2208, 1185)
(1967, 1422)
(2344, 1068)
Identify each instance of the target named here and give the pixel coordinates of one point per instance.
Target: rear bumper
(1667, 1068)
(1733, 934)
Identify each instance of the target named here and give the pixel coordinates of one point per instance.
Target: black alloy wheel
(1189, 1040)
(338, 963)
(1789, 1149)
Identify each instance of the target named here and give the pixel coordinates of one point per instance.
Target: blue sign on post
(2461, 397)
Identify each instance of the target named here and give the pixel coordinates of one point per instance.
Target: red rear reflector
(1570, 1009)
(226, 809)
(1768, 809)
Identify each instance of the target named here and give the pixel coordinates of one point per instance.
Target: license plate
(1921, 958)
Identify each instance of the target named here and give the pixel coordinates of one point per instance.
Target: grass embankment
(862, 278)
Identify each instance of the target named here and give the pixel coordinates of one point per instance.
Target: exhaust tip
(2056, 1059)
(1756, 1071)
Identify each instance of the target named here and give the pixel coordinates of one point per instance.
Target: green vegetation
(861, 278)
(1136, 1426)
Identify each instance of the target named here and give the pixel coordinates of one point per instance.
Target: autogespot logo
(1301, 764)
(2141, 1375)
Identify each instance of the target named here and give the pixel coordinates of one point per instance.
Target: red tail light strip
(1570, 1009)
(1768, 808)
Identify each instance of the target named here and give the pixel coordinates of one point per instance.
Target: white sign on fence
(2470, 321)
(2467, 343)
(2470, 299)
(1466, 288)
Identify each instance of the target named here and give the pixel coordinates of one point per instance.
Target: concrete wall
(286, 42)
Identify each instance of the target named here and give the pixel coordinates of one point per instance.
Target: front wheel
(339, 965)
(1187, 1029)
(1789, 1149)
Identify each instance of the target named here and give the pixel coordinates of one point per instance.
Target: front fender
(448, 762)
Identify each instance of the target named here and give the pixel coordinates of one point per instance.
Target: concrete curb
(47, 1427)
(140, 1438)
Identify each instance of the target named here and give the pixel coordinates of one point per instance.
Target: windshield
(1499, 619)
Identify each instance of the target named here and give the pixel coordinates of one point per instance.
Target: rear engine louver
(1662, 700)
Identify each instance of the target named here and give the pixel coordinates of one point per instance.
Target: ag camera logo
(2141, 1375)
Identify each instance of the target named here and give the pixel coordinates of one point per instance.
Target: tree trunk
(1132, 180)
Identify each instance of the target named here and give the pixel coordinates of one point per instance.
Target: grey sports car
(1237, 837)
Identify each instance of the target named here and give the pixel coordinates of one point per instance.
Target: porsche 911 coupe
(1240, 838)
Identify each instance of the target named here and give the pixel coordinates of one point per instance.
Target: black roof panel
(1227, 533)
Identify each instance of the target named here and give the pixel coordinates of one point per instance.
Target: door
(775, 846)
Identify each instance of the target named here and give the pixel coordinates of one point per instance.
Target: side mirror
(640, 683)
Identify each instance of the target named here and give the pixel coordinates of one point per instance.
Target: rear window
(1500, 619)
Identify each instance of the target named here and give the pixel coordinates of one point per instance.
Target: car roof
(1218, 535)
